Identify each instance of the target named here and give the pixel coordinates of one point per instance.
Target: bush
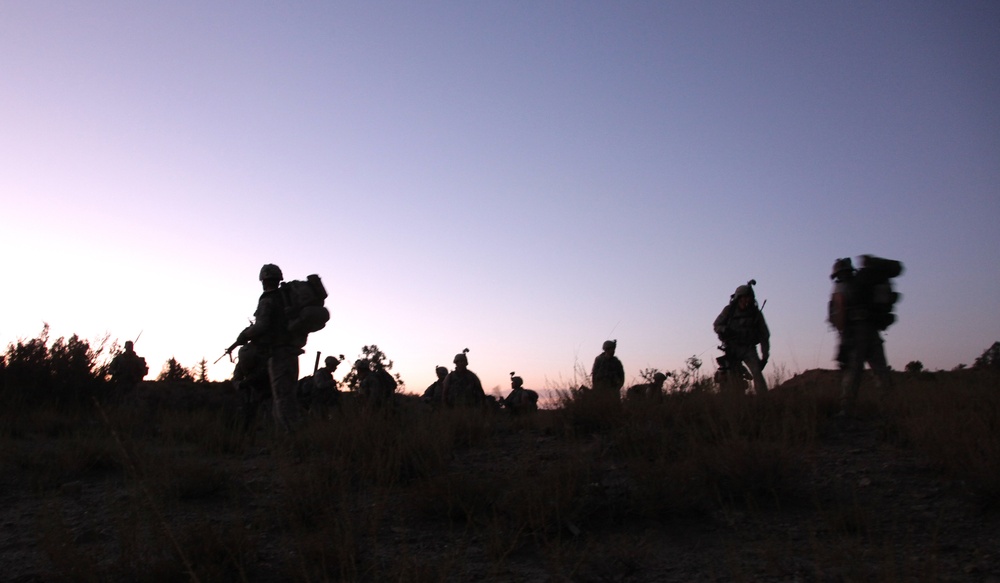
(374, 355)
(65, 371)
(173, 371)
(990, 358)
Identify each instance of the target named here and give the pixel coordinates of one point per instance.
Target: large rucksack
(304, 304)
(874, 289)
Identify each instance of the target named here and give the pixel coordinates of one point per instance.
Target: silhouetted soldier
(435, 391)
(858, 323)
(741, 327)
(279, 346)
(127, 368)
(323, 380)
(376, 386)
(520, 400)
(320, 390)
(608, 374)
(461, 387)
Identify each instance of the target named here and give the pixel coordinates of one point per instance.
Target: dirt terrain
(864, 510)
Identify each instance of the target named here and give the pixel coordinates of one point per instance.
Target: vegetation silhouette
(163, 487)
(174, 372)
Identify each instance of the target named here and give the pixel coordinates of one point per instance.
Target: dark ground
(868, 511)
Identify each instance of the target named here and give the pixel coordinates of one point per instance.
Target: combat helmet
(745, 290)
(842, 265)
(270, 271)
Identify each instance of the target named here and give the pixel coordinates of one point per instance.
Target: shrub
(173, 371)
(990, 358)
(63, 371)
(374, 355)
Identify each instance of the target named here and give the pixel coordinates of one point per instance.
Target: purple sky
(525, 179)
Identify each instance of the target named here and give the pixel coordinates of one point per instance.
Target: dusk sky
(523, 179)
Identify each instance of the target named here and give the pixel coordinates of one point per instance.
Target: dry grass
(955, 421)
(413, 494)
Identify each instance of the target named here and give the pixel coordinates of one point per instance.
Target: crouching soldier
(434, 394)
(319, 392)
(652, 391)
(520, 400)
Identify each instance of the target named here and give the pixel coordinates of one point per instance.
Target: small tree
(173, 371)
(990, 358)
(914, 366)
(694, 366)
(688, 379)
(201, 372)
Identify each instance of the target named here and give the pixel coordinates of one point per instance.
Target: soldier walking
(860, 308)
(741, 327)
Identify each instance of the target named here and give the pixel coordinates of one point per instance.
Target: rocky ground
(867, 510)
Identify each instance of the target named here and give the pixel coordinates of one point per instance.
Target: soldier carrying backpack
(128, 368)
(286, 314)
(861, 306)
(741, 327)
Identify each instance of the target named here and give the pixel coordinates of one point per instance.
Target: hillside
(697, 488)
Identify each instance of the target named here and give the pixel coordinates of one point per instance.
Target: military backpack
(874, 291)
(304, 304)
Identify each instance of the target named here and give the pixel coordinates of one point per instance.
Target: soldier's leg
(729, 377)
(283, 370)
(852, 371)
(876, 359)
(752, 361)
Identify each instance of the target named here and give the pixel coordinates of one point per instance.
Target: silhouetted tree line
(68, 371)
(65, 371)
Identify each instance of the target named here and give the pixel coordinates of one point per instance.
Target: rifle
(228, 352)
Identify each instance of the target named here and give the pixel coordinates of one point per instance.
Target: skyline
(525, 181)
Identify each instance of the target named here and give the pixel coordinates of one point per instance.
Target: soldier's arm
(765, 337)
(263, 318)
(720, 322)
(765, 348)
(839, 311)
(619, 374)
